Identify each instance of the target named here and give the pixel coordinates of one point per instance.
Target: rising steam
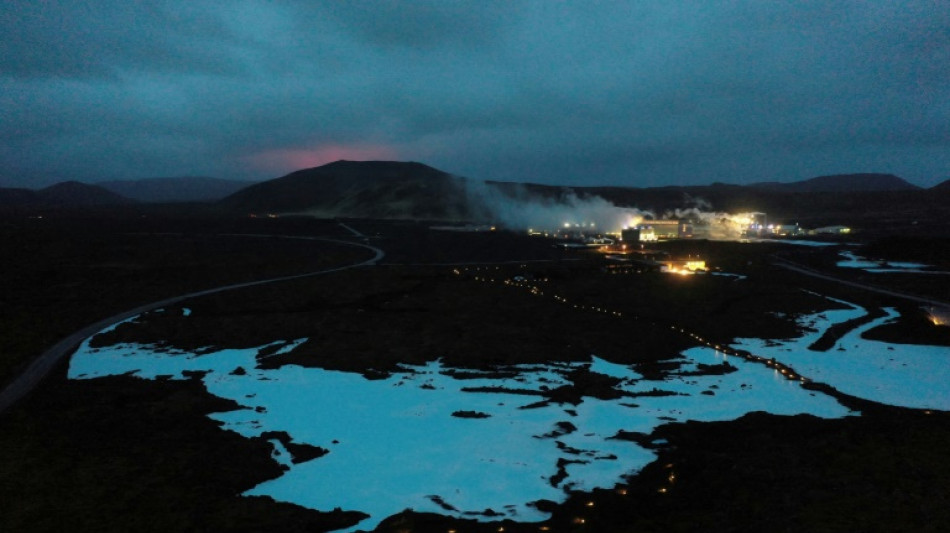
(515, 207)
(717, 225)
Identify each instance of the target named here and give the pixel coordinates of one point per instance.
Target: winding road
(42, 365)
(795, 267)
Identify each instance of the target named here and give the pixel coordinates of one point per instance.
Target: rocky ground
(120, 453)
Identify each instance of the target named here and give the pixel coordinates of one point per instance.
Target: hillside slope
(843, 183)
(376, 189)
(74, 193)
(942, 186)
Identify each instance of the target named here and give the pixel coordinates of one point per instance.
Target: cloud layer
(638, 94)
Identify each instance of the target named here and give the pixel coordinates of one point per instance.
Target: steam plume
(515, 207)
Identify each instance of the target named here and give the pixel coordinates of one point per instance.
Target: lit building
(831, 230)
(683, 265)
(786, 230)
(662, 229)
(630, 235)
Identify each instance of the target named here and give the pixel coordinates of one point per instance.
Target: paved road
(795, 267)
(351, 230)
(41, 366)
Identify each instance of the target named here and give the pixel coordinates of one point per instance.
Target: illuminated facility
(641, 227)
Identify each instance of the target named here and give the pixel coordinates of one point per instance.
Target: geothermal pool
(883, 267)
(907, 375)
(483, 445)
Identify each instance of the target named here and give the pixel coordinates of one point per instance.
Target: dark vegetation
(121, 453)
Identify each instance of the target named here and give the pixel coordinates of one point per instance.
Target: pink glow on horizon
(290, 159)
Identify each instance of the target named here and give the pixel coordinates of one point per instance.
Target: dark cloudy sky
(628, 93)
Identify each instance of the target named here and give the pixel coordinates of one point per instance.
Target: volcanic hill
(371, 189)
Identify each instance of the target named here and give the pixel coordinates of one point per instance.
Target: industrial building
(657, 230)
(831, 230)
(718, 226)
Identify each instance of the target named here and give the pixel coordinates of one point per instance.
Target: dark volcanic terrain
(121, 453)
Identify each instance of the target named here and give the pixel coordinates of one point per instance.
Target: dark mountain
(76, 194)
(178, 189)
(842, 183)
(65, 194)
(942, 186)
(376, 189)
(17, 196)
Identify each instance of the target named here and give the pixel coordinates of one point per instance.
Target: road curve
(42, 365)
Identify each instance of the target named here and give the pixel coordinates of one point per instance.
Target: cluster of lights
(681, 271)
(579, 225)
(615, 271)
(781, 369)
(670, 478)
(939, 316)
(581, 520)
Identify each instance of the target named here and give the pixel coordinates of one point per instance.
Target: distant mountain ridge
(409, 190)
(64, 194)
(399, 190)
(175, 189)
(842, 183)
